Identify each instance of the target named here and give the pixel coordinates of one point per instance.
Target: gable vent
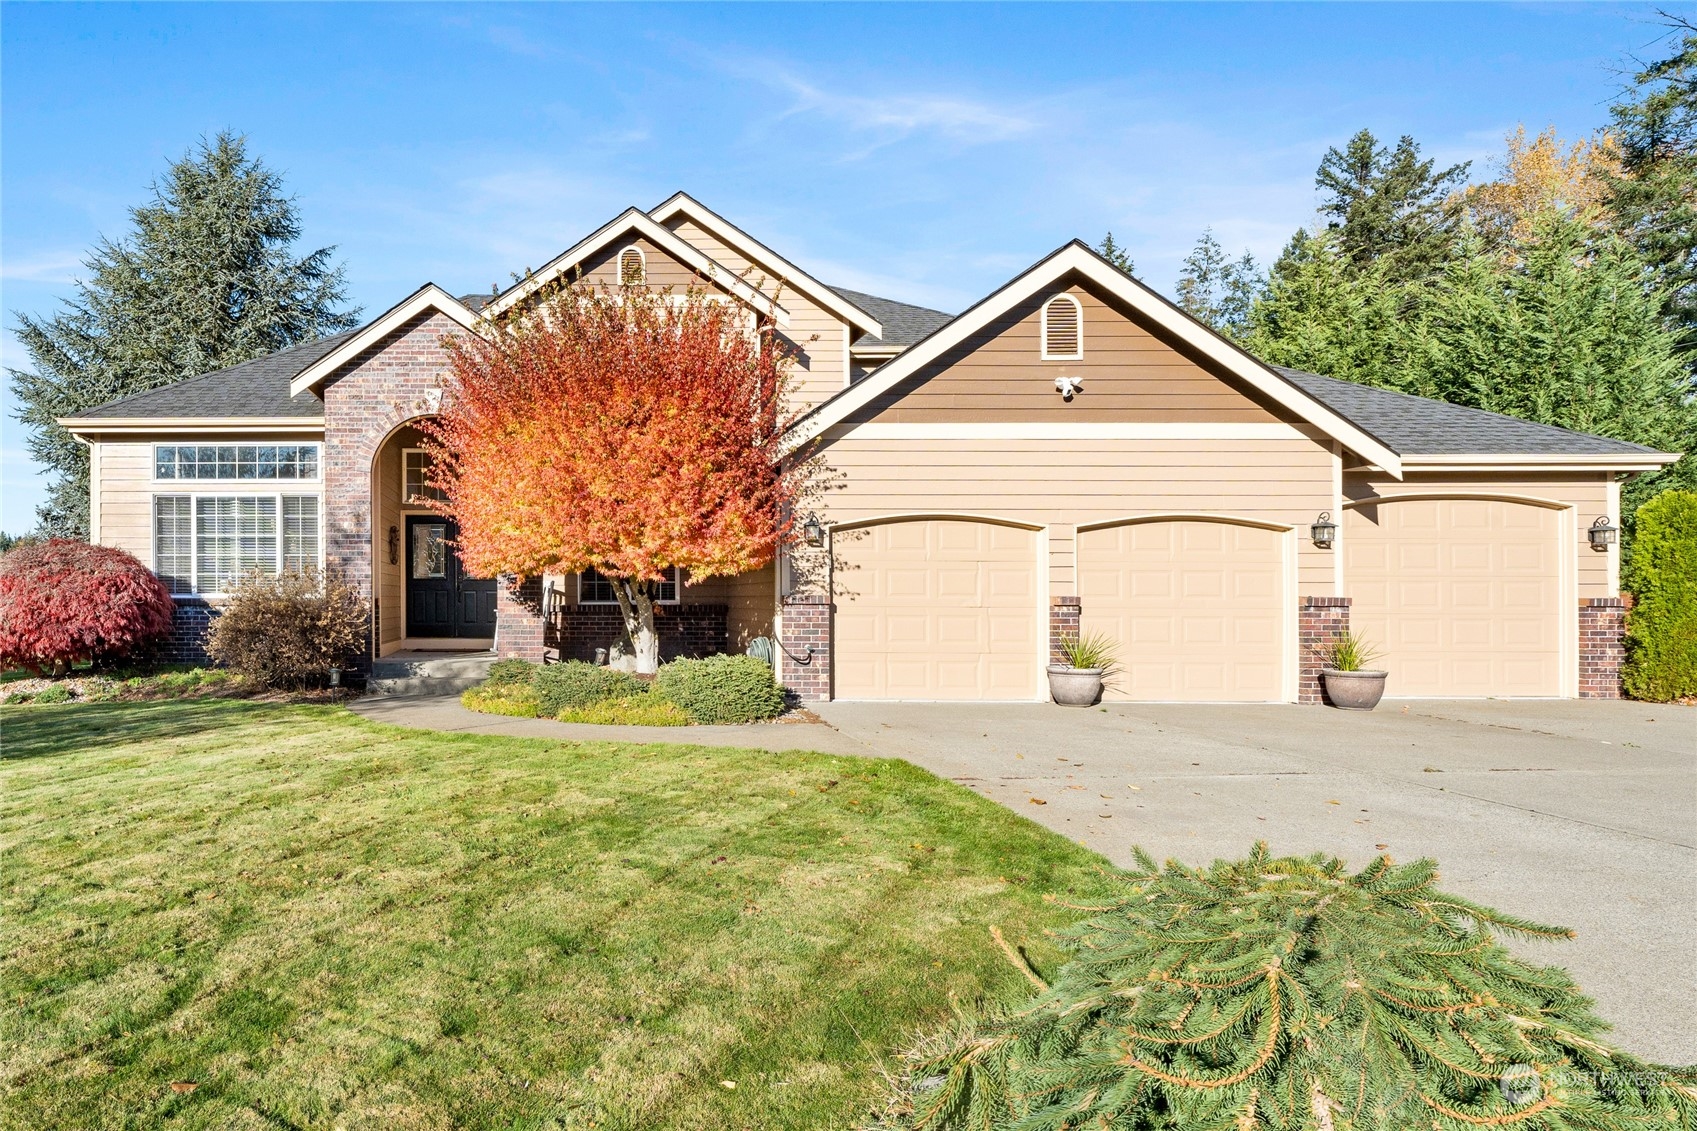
(633, 271)
(1063, 329)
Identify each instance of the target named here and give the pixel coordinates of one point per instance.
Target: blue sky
(923, 152)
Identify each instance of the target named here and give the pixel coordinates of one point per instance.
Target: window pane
(430, 549)
(164, 462)
(233, 535)
(306, 461)
(173, 541)
(300, 533)
(595, 589)
(416, 484)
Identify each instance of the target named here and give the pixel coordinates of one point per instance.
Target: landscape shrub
(561, 687)
(1290, 994)
(502, 699)
(65, 602)
(287, 630)
(629, 710)
(1661, 629)
(504, 673)
(722, 689)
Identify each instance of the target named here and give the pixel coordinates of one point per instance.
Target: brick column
(1320, 621)
(1063, 625)
(1602, 646)
(518, 618)
(806, 626)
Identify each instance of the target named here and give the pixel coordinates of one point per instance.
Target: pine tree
(1654, 198)
(1217, 291)
(205, 279)
(1290, 995)
(1116, 254)
(1389, 205)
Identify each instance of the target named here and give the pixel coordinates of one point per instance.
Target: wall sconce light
(394, 545)
(1324, 531)
(813, 532)
(1602, 534)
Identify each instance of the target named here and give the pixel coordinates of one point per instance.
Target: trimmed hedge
(1661, 629)
(515, 699)
(511, 673)
(722, 689)
(561, 687)
(630, 711)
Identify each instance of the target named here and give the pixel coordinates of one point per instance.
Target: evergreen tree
(1654, 198)
(1319, 313)
(206, 278)
(1116, 254)
(1390, 205)
(1217, 291)
(1290, 995)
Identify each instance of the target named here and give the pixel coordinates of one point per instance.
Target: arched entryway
(423, 598)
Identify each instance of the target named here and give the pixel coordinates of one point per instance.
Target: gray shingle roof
(1411, 425)
(904, 323)
(254, 388)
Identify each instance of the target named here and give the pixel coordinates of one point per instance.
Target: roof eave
(1545, 461)
(140, 425)
(755, 251)
(662, 237)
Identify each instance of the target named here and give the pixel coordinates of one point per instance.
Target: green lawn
(322, 922)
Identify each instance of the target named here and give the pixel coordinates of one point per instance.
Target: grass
(320, 922)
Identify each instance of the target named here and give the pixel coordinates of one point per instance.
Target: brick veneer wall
(806, 626)
(187, 642)
(1602, 646)
(397, 380)
(574, 632)
(1320, 621)
(519, 632)
(1063, 625)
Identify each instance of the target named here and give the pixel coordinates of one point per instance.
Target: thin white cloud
(517, 42)
(891, 118)
(47, 267)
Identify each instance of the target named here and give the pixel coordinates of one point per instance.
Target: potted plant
(1090, 660)
(1350, 684)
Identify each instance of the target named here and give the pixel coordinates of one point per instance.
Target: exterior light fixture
(335, 678)
(394, 545)
(1324, 531)
(1602, 534)
(812, 531)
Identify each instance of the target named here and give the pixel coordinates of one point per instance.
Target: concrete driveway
(1582, 814)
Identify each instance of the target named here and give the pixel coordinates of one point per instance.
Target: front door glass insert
(430, 549)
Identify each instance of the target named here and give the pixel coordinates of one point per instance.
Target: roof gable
(619, 231)
(682, 205)
(1128, 374)
(1160, 316)
(427, 297)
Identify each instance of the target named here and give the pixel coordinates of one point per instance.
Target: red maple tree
(622, 430)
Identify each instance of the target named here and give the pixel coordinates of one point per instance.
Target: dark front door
(441, 599)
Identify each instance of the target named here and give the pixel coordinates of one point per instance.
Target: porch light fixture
(1324, 531)
(813, 532)
(1602, 534)
(394, 545)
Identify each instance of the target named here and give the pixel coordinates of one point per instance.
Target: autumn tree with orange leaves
(620, 430)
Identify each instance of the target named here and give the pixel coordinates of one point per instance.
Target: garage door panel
(1195, 607)
(936, 609)
(1472, 606)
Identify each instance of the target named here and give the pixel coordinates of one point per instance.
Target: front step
(428, 673)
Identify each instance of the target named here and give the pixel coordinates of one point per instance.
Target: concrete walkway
(1582, 814)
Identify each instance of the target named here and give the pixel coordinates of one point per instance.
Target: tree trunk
(636, 603)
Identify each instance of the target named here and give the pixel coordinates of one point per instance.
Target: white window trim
(619, 265)
(406, 500)
(221, 484)
(1078, 308)
(195, 592)
(677, 583)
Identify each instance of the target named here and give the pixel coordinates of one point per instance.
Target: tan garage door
(1462, 595)
(1197, 608)
(935, 609)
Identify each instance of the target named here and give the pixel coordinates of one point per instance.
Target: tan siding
(1587, 492)
(1062, 485)
(391, 580)
(751, 599)
(1129, 374)
(816, 336)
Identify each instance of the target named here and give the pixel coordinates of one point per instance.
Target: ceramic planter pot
(1353, 691)
(1074, 687)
